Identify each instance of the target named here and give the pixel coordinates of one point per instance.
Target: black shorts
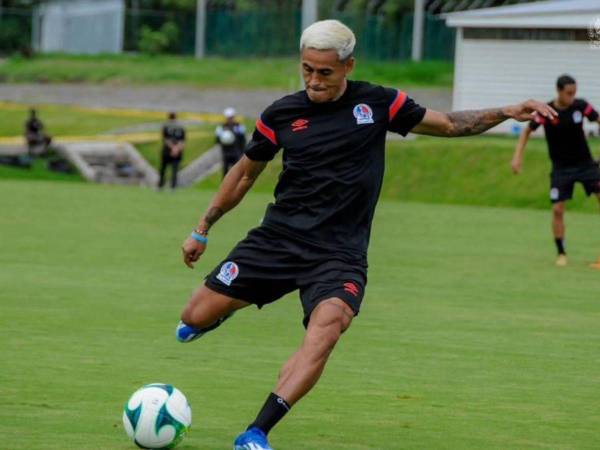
(269, 264)
(562, 181)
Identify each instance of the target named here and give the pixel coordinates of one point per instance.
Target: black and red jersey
(565, 136)
(333, 161)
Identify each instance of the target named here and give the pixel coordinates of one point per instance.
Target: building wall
(82, 26)
(491, 73)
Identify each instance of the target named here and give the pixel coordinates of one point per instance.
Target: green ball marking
(133, 415)
(165, 387)
(166, 419)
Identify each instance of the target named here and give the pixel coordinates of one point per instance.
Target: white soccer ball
(157, 416)
(227, 137)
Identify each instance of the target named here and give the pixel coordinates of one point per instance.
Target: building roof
(571, 14)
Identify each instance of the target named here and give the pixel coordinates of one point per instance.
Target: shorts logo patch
(229, 272)
(351, 288)
(554, 194)
(577, 116)
(363, 114)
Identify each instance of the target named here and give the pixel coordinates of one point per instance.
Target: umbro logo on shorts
(351, 288)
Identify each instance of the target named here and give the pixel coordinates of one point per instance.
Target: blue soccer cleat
(252, 439)
(186, 333)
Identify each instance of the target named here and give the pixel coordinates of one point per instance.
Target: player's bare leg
(302, 371)
(558, 229)
(205, 311)
(596, 265)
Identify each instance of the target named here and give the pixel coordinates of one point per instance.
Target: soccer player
(571, 159)
(172, 149)
(314, 237)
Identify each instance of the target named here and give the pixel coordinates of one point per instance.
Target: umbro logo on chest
(299, 125)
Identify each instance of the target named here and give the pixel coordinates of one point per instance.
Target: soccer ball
(227, 137)
(157, 416)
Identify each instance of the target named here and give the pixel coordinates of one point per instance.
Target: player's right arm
(517, 159)
(234, 187)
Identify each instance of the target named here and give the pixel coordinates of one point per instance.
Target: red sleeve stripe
(266, 131)
(397, 104)
(588, 110)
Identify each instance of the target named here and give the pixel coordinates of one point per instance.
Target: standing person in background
(572, 161)
(37, 140)
(172, 151)
(231, 135)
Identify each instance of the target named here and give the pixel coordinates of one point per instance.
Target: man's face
(566, 95)
(324, 74)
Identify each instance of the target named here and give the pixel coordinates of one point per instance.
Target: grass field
(469, 337)
(61, 120)
(67, 121)
(251, 73)
(467, 171)
(470, 171)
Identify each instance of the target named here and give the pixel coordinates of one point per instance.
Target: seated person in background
(37, 140)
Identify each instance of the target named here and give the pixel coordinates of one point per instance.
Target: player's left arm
(590, 112)
(469, 123)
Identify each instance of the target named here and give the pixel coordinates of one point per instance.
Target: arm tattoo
(212, 216)
(468, 123)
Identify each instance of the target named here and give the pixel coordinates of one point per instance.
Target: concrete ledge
(200, 168)
(109, 162)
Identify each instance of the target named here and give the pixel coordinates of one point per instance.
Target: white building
(79, 26)
(511, 53)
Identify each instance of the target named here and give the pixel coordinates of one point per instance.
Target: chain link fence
(249, 33)
(15, 30)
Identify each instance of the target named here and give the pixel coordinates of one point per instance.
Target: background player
(571, 159)
(173, 135)
(314, 238)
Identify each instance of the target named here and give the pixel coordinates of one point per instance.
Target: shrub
(154, 42)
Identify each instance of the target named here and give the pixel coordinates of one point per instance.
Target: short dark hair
(172, 116)
(563, 80)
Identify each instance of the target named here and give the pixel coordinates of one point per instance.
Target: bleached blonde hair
(329, 35)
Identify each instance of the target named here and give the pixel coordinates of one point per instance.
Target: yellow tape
(120, 112)
(133, 138)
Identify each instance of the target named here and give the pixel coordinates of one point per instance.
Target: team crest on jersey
(229, 272)
(363, 114)
(577, 116)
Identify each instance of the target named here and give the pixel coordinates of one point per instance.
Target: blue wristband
(198, 237)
